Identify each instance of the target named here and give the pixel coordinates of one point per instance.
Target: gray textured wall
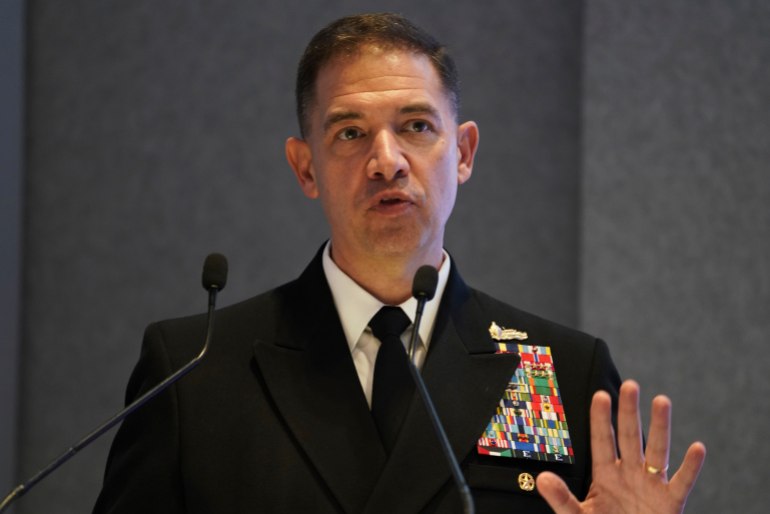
(676, 232)
(155, 136)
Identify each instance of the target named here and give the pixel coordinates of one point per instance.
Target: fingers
(683, 481)
(629, 425)
(557, 494)
(603, 449)
(656, 454)
(626, 476)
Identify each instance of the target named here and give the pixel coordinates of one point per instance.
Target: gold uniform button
(526, 482)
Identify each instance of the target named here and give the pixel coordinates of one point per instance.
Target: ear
(301, 161)
(467, 144)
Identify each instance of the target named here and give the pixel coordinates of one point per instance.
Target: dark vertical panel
(11, 178)
(156, 136)
(515, 227)
(676, 239)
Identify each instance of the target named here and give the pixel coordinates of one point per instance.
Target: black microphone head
(214, 272)
(425, 282)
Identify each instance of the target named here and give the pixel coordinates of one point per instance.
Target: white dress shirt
(356, 307)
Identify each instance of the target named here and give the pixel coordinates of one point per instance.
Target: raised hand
(637, 480)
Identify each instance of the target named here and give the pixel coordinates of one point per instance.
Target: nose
(387, 160)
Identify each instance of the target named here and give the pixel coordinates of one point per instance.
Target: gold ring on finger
(652, 470)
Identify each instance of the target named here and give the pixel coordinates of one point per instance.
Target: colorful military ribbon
(530, 422)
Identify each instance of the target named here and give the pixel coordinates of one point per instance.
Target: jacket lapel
(466, 380)
(310, 375)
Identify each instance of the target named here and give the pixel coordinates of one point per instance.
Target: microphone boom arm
(454, 466)
(24, 488)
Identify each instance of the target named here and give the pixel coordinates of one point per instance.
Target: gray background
(621, 187)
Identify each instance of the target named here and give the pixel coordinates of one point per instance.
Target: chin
(399, 245)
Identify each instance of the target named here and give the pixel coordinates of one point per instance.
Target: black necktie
(393, 386)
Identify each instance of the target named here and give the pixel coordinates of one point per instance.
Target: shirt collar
(356, 306)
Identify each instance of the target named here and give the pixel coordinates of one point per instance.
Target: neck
(387, 278)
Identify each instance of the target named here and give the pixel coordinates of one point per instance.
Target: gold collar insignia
(499, 333)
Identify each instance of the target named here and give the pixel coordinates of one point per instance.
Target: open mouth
(393, 205)
(392, 202)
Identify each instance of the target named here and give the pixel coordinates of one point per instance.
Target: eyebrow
(420, 108)
(415, 108)
(340, 116)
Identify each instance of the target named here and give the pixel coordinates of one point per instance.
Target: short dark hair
(347, 35)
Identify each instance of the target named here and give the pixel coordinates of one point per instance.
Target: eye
(418, 126)
(349, 133)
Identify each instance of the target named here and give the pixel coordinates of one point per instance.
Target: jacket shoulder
(258, 317)
(536, 327)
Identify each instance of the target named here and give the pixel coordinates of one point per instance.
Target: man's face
(384, 154)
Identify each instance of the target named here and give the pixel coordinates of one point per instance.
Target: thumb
(557, 494)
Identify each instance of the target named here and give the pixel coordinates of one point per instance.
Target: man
(286, 412)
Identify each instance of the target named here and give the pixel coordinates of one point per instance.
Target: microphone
(214, 274)
(423, 289)
(214, 279)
